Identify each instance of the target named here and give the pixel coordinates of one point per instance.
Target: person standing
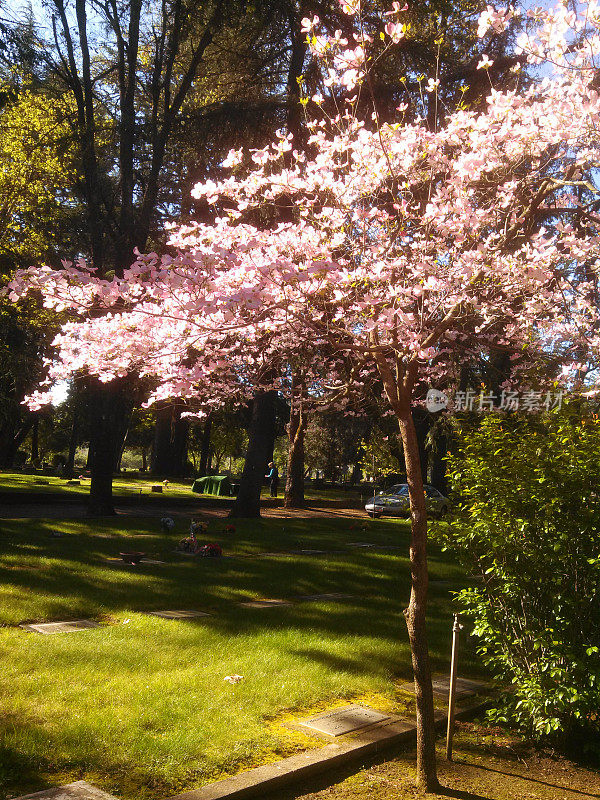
(273, 476)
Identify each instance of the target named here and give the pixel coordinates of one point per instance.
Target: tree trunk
(437, 462)
(170, 447)
(415, 613)
(14, 439)
(398, 383)
(294, 486)
(35, 441)
(144, 460)
(260, 447)
(160, 458)
(73, 441)
(180, 431)
(422, 423)
(205, 447)
(111, 406)
(121, 446)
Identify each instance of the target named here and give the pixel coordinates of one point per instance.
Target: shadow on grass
(71, 576)
(42, 578)
(19, 770)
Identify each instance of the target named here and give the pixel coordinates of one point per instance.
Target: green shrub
(528, 526)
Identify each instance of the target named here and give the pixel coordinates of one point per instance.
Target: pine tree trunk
(415, 613)
(35, 447)
(73, 440)
(111, 407)
(13, 441)
(205, 447)
(260, 448)
(294, 485)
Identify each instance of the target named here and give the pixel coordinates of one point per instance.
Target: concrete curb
(263, 780)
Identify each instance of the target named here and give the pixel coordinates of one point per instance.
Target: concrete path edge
(263, 780)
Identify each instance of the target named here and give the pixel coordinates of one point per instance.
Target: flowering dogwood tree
(392, 250)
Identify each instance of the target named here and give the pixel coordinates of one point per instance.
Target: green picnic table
(213, 484)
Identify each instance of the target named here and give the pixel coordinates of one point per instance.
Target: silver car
(395, 502)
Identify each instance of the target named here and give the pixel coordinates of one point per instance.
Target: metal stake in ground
(456, 628)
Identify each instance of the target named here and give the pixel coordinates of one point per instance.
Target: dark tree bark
(73, 442)
(437, 463)
(260, 449)
(112, 404)
(170, 448)
(205, 447)
(115, 225)
(159, 459)
(422, 423)
(294, 486)
(35, 441)
(12, 440)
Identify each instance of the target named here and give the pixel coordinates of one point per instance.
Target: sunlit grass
(133, 485)
(140, 706)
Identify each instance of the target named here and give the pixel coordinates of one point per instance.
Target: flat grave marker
(119, 561)
(325, 596)
(360, 544)
(344, 720)
(80, 790)
(188, 613)
(441, 687)
(264, 603)
(70, 626)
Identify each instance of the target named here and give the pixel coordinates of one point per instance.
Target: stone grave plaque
(265, 603)
(464, 687)
(80, 790)
(344, 720)
(360, 544)
(326, 596)
(61, 627)
(441, 687)
(179, 614)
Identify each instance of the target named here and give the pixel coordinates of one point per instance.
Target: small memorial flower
(210, 551)
(233, 678)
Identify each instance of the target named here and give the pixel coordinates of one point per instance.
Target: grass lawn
(18, 482)
(139, 706)
(133, 485)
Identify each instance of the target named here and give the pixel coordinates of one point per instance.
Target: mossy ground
(489, 764)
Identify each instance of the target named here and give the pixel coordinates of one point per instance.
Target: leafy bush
(528, 525)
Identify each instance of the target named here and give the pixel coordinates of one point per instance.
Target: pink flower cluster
(403, 251)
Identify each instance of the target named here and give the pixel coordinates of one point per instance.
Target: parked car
(395, 503)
